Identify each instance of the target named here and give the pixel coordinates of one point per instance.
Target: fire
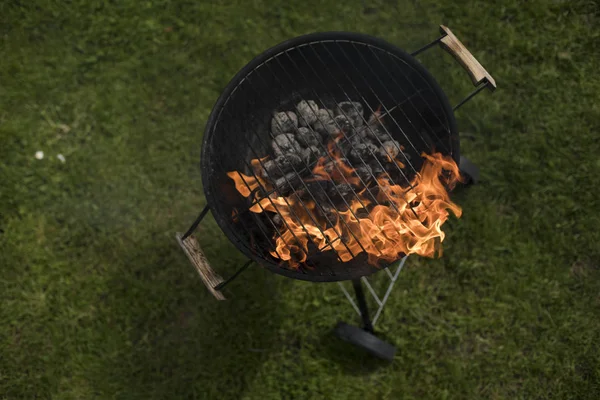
(405, 220)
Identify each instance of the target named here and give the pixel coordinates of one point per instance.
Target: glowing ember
(406, 220)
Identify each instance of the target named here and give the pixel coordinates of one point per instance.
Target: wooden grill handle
(452, 45)
(192, 249)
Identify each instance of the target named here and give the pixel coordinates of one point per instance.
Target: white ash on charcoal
(365, 173)
(389, 150)
(307, 111)
(363, 151)
(353, 110)
(308, 137)
(360, 134)
(276, 168)
(325, 124)
(376, 133)
(286, 144)
(344, 124)
(300, 139)
(394, 149)
(284, 122)
(311, 154)
(326, 112)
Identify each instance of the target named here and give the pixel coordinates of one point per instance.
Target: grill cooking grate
(328, 72)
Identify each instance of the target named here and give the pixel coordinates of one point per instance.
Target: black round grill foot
(365, 340)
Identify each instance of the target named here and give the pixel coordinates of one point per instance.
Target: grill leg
(365, 337)
(362, 305)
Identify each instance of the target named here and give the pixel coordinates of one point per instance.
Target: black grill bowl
(328, 68)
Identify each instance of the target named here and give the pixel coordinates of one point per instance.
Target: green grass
(97, 300)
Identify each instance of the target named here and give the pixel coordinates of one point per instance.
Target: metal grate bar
(362, 117)
(263, 210)
(349, 298)
(378, 98)
(250, 168)
(387, 111)
(396, 61)
(330, 201)
(313, 164)
(250, 231)
(359, 178)
(364, 279)
(341, 174)
(364, 120)
(269, 240)
(299, 198)
(415, 108)
(374, 156)
(389, 290)
(389, 273)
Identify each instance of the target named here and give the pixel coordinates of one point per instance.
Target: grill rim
(222, 220)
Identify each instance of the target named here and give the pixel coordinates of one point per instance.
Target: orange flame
(407, 220)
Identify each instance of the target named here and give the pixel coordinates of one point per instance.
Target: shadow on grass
(174, 339)
(352, 359)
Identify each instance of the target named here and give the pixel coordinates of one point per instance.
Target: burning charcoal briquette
(307, 137)
(276, 218)
(376, 167)
(284, 122)
(286, 183)
(361, 133)
(324, 123)
(365, 173)
(344, 145)
(343, 190)
(363, 151)
(343, 123)
(273, 169)
(389, 148)
(270, 170)
(311, 154)
(286, 143)
(307, 111)
(351, 109)
(318, 190)
(329, 167)
(377, 133)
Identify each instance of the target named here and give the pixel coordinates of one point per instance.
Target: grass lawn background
(97, 300)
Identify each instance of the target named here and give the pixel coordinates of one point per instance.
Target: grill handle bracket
(454, 46)
(192, 249)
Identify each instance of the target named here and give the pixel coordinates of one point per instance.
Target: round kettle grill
(327, 68)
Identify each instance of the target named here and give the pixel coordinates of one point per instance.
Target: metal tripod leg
(362, 305)
(364, 338)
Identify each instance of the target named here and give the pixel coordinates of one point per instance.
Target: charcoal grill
(328, 68)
